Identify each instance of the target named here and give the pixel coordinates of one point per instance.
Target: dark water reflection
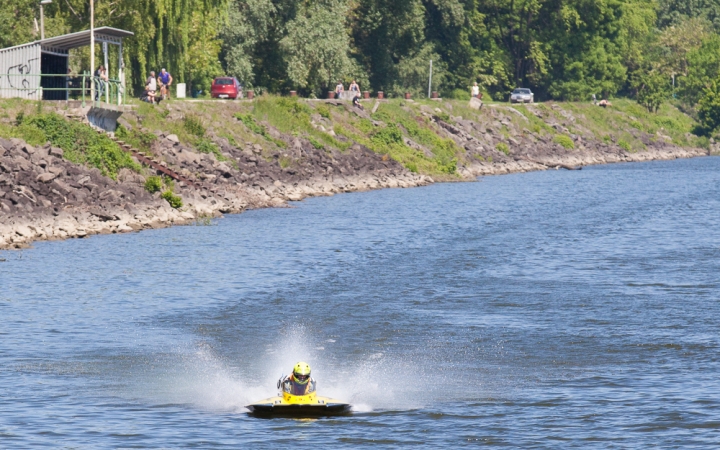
(553, 309)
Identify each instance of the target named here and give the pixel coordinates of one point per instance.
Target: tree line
(652, 50)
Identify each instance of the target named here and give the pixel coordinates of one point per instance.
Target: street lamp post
(42, 18)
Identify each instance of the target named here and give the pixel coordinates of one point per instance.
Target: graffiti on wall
(19, 76)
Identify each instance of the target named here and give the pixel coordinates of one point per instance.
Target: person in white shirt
(475, 90)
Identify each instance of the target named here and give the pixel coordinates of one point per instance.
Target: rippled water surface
(549, 309)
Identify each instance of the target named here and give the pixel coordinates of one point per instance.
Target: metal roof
(79, 39)
(82, 38)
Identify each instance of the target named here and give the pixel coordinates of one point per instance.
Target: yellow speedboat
(310, 405)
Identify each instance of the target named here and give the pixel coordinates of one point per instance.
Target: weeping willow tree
(180, 35)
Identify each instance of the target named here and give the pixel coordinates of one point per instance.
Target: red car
(226, 87)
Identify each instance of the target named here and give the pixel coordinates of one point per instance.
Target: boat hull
(299, 406)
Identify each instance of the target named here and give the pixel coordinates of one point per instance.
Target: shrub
(503, 147)
(625, 145)
(323, 111)
(153, 184)
(194, 126)
(389, 135)
(174, 200)
(565, 141)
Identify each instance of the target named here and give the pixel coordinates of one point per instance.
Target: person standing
(339, 89)
(594, 99)
(151, 82)
(475, 91)
(100, 78)
(165, 80)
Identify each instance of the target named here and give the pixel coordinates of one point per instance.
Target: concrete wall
(17, 67)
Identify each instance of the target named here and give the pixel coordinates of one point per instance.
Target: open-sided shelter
(38, 70)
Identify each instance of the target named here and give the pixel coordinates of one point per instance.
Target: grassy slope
(331, 127)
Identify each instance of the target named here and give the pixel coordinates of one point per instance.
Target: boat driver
(299, 381)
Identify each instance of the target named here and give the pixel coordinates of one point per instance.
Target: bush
(194, 126)
(174, 200)
(625, 145)
(709, 109)
(323, 111)
(389, 135)
(503, 147)
(153, 184)
(565, 141)
(460, 94)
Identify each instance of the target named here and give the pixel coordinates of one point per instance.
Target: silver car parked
(522, 95)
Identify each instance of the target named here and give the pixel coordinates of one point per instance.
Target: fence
(62, 87)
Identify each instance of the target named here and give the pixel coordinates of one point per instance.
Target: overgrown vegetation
(153, 184)
(80, 143)
(503, 147)
(565, 141)
(174, 200)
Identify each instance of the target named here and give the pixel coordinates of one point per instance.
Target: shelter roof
(82, 38)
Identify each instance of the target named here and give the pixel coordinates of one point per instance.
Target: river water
(549, 309)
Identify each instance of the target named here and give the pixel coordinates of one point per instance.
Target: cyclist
(164, 81)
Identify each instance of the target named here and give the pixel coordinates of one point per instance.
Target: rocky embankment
(43, 196)
(529, 151)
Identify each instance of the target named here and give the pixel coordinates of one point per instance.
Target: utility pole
(92, 49)
(42, 18)
(430, 80)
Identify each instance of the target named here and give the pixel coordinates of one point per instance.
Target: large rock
(475, 103)
(46, 177)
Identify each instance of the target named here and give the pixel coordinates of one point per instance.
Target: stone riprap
(43, 196)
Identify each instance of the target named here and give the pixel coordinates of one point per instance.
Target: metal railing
(75, 87)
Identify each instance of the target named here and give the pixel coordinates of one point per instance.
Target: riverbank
(231, 156)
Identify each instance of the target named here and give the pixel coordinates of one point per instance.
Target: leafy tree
(653, 90)
(709, 108)
(248, 23)
(673, 12)
(16, 22)
(316, 46)
(703, 67)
